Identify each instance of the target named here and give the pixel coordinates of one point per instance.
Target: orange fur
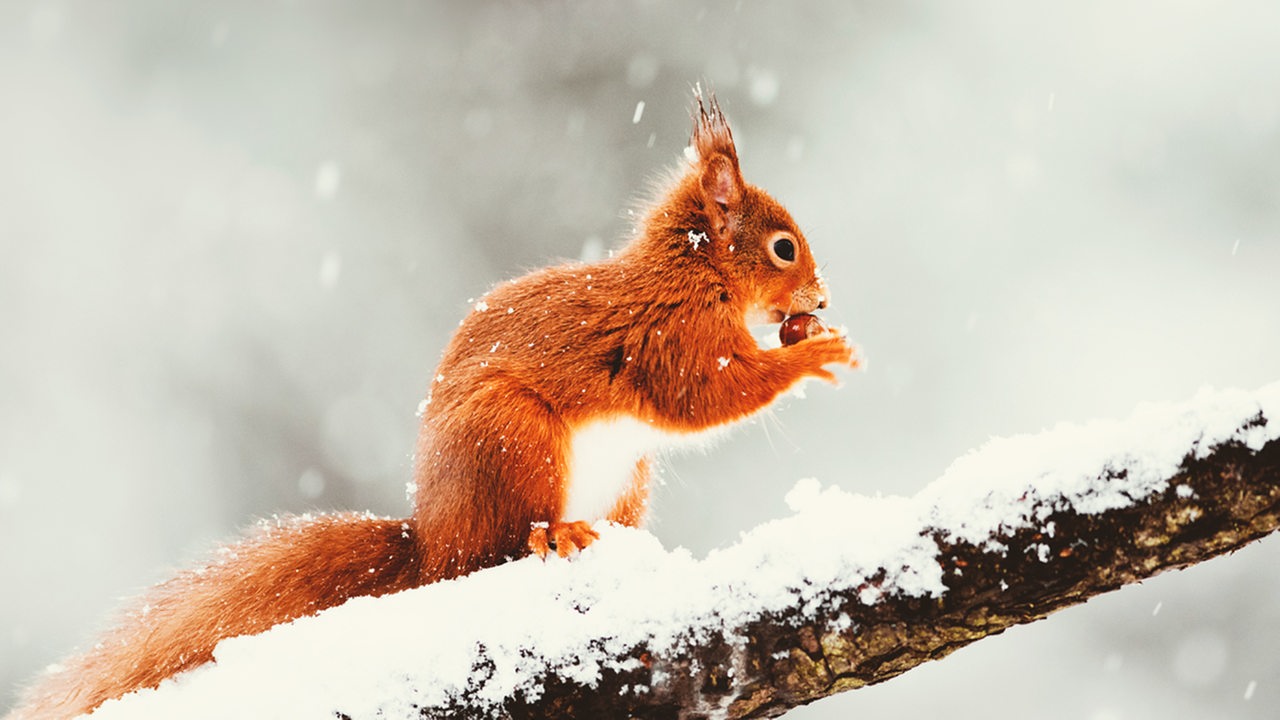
(657, 334)
(630, 507)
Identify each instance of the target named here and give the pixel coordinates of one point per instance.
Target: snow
(328, 178)
(1139, 454)
(310, 484)
(330, 270)
(495, 632)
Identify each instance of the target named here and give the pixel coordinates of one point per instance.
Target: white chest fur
(602, 461)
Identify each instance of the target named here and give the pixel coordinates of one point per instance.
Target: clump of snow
(785, 559)
(497, 632)
(1092, 467)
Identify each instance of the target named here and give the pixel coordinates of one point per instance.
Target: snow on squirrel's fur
(498, 631)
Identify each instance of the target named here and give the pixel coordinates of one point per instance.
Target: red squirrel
(543, 416)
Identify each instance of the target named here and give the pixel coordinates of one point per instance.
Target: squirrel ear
(721, 182)
(720, 177)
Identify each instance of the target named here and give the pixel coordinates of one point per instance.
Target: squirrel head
(752, 239)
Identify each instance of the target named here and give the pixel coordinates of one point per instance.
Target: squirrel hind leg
(565, 538)
(562, 538)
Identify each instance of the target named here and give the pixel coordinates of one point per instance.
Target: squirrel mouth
(765, 316)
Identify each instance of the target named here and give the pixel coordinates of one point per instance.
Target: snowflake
(696, 238)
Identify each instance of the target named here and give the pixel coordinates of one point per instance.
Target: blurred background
(235, 236)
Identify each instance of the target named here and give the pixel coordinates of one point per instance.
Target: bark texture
(775, 662)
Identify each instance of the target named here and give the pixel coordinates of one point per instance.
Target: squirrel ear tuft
(721, 179)
(711, 133)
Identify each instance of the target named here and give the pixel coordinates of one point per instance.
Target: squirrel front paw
(565, 538)
(830, 347)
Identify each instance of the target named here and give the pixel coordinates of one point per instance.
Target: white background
(235, 236)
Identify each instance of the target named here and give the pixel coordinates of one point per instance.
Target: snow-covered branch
(849, 591)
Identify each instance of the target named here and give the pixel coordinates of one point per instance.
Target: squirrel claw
(565, 538)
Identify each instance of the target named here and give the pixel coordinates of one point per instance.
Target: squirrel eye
(783, 250)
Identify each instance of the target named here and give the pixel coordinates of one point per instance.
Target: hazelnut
(799, 327)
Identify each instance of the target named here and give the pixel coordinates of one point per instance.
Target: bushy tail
(289, 568)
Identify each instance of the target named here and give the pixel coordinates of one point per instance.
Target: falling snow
(328, 178)
(330, 270)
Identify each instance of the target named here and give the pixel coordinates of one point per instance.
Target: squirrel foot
(565, 538)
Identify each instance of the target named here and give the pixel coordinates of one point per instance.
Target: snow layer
(495, 632)
(1094, 467)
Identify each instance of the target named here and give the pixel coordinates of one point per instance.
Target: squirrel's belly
(602, 461)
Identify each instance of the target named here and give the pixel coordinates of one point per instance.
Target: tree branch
(1210, 506)
(849, 592)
